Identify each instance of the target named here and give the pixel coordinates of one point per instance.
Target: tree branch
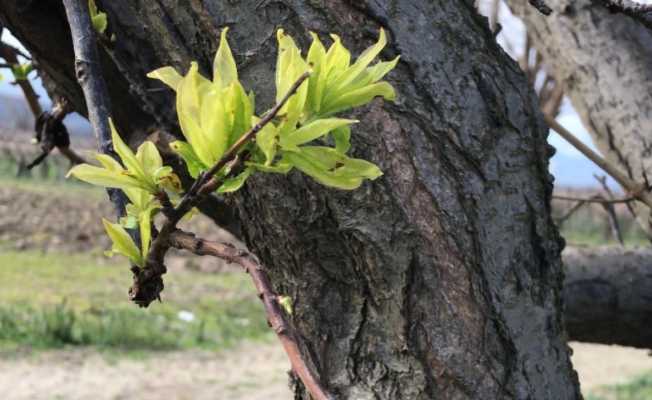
(275, 315)
(640, 12)
(89, 75)
(607, 295)
(51, 133)
(594, 199)
(637, 190)
(10, 54)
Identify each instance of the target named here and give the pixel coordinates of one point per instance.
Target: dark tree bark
(608, 295)
(440, 280)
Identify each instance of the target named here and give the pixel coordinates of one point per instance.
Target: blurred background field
(66, 321)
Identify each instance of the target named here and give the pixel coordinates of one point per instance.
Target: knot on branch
(147, 285)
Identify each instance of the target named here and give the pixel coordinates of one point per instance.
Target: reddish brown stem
(275, 315)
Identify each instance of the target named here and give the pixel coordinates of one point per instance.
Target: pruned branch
(275, 315)
(51, 133)
(89, 75)
(640, 12)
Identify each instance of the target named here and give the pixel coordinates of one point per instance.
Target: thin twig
(634, 189)
(89, 75)
(275, 314)
(551, 98)
(609, 208)
(595, 199)
(570, 212)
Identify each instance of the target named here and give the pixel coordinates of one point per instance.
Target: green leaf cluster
(214, 114)
(141, 178)
(98, 19)
(21, 71)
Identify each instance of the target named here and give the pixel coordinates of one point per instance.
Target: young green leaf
(360, 97)
(225, 71)
(361, 63)
(317, 80)
(331, 168)
(342, 138)
(239, 107)
(145, 229)
(312, 131)
(377, 72)
(167, 75)
(109, 162)
(216, 123)
(98, 19)
(126, 155)
(149, 158)
(189, 99)
(21, 71)
(267, 142)
(286, 303)
(235, 183)
(140, 199)
(281, 167)
(289, 67)
(122, 242)
(185, 151)
(104, 177)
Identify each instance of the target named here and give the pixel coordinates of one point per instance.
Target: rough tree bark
(607, 293)
(604, 62)
(440, 280)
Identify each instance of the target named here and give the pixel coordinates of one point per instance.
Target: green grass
(55, 300)
(639, 388)
(590, 227)
(67, 187)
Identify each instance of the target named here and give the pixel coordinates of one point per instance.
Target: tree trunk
(604, 62)
(607, 295)
(441, 280)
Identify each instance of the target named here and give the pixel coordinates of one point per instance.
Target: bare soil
(254, 371)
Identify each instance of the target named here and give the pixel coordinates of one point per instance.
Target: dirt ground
(599, 365)
(253, 371)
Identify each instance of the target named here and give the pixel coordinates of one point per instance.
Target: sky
(569, 166)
